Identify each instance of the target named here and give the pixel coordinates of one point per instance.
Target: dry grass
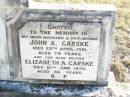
(119, 71)
(126, 62)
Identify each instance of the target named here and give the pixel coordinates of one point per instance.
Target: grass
(126, 62)
(119, 71)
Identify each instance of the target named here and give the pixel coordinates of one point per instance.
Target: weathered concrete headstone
(52, 43)
(45, 45)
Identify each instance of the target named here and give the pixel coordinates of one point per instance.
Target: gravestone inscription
(60, 50)
(66, 43)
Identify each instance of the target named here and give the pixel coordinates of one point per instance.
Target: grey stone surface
(16, 15)
(55, 90)
(16, 89)
(4, 60)
(14, 94)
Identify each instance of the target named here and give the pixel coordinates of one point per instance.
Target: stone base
(40, 90)
(27, 90)
(15, 89)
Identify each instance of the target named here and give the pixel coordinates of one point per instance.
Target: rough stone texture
(53, 90)
(14, 94)
(16, 89)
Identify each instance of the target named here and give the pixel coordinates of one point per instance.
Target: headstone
(58, 43)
